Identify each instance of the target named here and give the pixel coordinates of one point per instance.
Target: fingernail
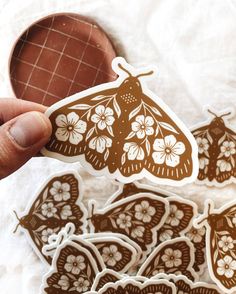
(28, 129)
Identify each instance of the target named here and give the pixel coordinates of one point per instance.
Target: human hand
(24, 130)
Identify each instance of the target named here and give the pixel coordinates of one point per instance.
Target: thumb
(21, 138)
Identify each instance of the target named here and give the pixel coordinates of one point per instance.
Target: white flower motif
(226, 266)
(111, 255)
(223, 165)
(60, 191)
(203, 145)
(226, 243)
(196, 235)
(100, 143)
(81, 285)
(166, 235)
(144, 211)
(168, 151)
(103, 117)
(143, 126)
(203, 162)
(74, 264)
(66, 212)
(70, 128)
(137, 232)
(228, 148)
(46, 234)
(124, 221)
(48, 209)
(64, 282)
(175, 216)
(172, 258)
(134, 151)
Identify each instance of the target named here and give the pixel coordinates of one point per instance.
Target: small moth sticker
(58, 203)
(216, 150)
(220, 243)
(123, 131)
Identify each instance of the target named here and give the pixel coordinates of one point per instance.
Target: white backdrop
(193, 45)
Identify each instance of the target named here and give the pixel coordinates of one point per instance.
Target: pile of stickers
(143, 240)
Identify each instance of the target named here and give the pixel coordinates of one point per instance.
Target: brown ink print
(105, 277)
(57, 204)
(171, 257)
(220, 227)
(73, 270)
(216, 141)
(124, 131)
(138, 217)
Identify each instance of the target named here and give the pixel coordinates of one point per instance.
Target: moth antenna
(208, 213)
(211, 112)
(145, 74)
(92, 212)
(16, 228)
(16, 215)
(124, 69)
(225, 114)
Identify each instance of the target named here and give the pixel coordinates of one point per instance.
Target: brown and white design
(185, 286)
(220, 243)
(138, 217)
(171, 257)
(124, 131)
(73, 270)
(130, 286)
(57, 204)
(58, 56)
(198, 237)
(105, 277)
(216, 150)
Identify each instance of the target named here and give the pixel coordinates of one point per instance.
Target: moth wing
(124, 218)
(203, 155)
(226, 165)
(89, 135)
(145, 149)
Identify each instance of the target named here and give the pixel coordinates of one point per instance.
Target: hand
(24, 130)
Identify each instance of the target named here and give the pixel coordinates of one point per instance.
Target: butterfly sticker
(216, 150)
(220, 243)
(123, 131)
(73, 268)
(184, 285)
(130, 286)
(171, 257)
(57, 203)
(138, 217)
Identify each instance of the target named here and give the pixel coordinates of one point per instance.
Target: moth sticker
(123, 131)
(216, 141)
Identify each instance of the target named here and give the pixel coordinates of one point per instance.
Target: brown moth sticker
(184, 285)
(171, 257)
(130, 286)
(122, 130)
(216, 150)
(73, 270)
(105, 277)
(198, 237)
(220, 243)
(57, 204)
(138, 217)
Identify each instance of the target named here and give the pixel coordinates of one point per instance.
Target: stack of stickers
(143, 240)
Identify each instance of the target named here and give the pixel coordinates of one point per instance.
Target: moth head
(217, 123)
(131, 85)
(21, 221)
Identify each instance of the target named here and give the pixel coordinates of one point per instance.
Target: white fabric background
(193, 45)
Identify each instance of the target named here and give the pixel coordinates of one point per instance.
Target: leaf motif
(213, 242)
(41, 228)
(167, 127)
(221, 140)
(123, 158)
(40, 216)
(148, 147)
(215, 256)
(135, 111)
(131, 135)
(157, 261)
(80, 107)
(110, 131)
(89, 134)
(128, 207)
(88, 115)
(45, 194)
(156, 111)
(113, 223)
(209, 138)
(89, 270)
(101, 97)
(116, 107)
(36, 203)
(229, 222)
(223, 233)
(233, 254)
(106, 154)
